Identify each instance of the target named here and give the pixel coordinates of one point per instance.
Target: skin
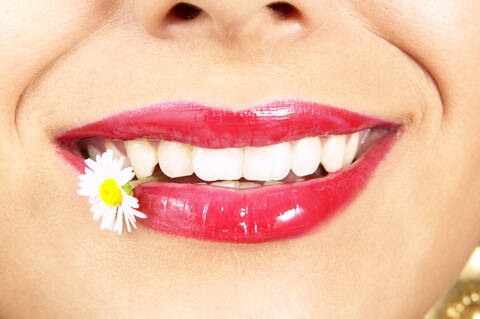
(390, 254)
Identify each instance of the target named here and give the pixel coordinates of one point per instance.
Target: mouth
(271, 172)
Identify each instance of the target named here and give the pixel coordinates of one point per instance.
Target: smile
(267, 173)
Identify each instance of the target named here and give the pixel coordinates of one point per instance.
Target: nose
(227, 19)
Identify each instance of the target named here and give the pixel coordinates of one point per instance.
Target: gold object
(462, 301)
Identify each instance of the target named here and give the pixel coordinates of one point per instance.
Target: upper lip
(192, 123)
(255, 215)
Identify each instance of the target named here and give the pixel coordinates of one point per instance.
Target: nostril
(183, 11)
(284, 10)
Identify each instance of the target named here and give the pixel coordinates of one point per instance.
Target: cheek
(34, 34)
(441, 180)
(441, 36)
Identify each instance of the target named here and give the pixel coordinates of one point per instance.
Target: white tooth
(249, 185)
(110, 145)
(230, 184)
(272, 183)
(267, 163)
(333, 152)
(351, 149)
(306, 155)
(93, 151)
(175, 159)
(142, 155)
(217, 164)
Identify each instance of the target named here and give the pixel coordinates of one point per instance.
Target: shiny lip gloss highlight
(255, 215)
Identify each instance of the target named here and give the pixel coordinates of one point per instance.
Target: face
(406, 227)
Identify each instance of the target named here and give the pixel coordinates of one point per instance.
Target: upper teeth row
(265, 163)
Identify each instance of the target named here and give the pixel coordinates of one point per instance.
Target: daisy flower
(107, 186)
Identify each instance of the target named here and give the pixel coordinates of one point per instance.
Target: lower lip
(263, 214)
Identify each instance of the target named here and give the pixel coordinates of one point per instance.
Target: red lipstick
(240, 215)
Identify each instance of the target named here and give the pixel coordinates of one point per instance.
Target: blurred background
(462, 301)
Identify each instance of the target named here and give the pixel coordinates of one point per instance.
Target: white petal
(88, 183)
(83, 192)
(87, 176)
(124, 176)
(105, 164)
(86, 192)
(94, 199)
(108, 218)
(131, 201)
(119, 163)
(119, 221)
(127, 223)
(102, 207)
(137, 213)
(107, 157)
(127, 217)
(132, 221)
(92, 165)
(112, 224)
(98, 211)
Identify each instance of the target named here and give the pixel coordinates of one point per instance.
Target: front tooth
(267, 163)
(93, 152)
(306, 155)
(333, 153)
(351, 149)
(110, 145)
(142, 155)
(217, 164)
(175, 159)
(230, 184)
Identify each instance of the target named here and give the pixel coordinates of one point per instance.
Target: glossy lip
(250, 215)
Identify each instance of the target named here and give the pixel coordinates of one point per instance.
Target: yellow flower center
(110, 193)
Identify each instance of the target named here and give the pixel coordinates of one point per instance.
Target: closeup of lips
(288, 207)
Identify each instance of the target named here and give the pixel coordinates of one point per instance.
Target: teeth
(93, 152)
(142, 155)
(230, 184)
(272, 183)
(333, 153)
(217, 164)
(249, 185)
(110, 145)
(351, 149)
(175, 159)
(267, 163)
(235, 184)
(306, 155)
